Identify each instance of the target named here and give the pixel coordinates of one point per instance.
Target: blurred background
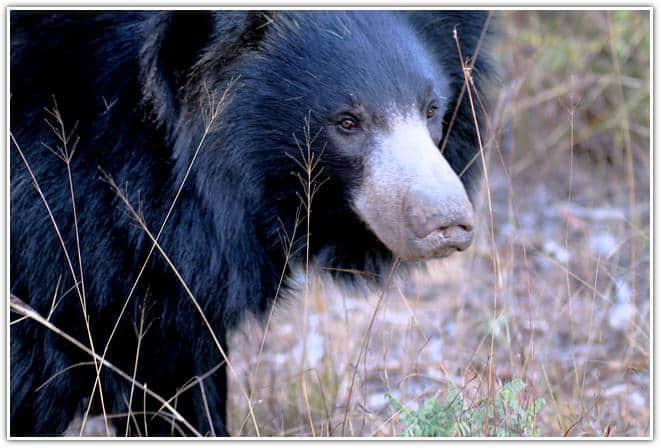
(543, 326)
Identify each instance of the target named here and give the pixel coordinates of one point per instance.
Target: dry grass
(554, 291)
(569, 178)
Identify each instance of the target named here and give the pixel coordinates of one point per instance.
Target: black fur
(137, 85)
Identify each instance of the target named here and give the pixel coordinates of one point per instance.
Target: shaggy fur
(138, 85)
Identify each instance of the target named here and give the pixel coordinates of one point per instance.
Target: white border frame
(337, 5)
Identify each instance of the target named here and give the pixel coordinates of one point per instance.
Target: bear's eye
(431, 111)
(348, 124)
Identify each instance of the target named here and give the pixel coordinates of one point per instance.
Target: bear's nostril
(455, 231)
(466, 227)
(458, 236)
(457, 225)
(460, 229)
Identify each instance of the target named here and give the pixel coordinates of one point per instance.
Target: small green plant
(459, 417)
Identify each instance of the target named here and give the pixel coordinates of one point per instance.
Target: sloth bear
(161, 162)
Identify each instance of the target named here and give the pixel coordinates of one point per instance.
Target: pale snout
(412, 199)
(442, 222)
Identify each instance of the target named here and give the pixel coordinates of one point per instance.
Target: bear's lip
(435, 245)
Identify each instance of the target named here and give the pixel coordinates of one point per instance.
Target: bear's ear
(474, 28)
(178, 41)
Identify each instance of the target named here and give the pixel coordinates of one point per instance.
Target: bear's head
(341, 114)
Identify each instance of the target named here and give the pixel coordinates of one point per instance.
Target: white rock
(377, 402)
(556, 251)
(451, 328)
(617, 389)
(636, 399)
(623, 292)
(434, 349)
(620, 315)
(314, 350)
(603, 244)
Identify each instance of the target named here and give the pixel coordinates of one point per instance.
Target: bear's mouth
(440, 243)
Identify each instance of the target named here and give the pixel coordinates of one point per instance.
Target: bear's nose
(445, 220)
(458, 236)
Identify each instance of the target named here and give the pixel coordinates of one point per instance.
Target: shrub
(459, 417)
